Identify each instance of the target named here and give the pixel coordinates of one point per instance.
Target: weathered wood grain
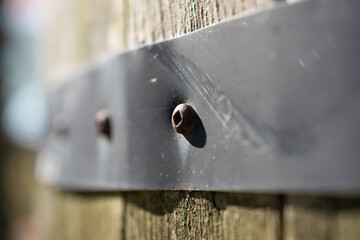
(201, 215)
(330, 218)
(66, 215)
(309, 218)
(79, 31)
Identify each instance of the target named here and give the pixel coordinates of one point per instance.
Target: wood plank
(66, 215)
(329, 218)
(201, 215)
(79, 31)
(309, 218)
(347, 219)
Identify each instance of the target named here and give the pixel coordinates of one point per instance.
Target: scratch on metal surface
(234, 125)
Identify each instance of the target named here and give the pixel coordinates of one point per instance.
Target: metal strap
(276, 98)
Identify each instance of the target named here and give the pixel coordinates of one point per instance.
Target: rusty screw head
(182, 119)
(103, 123)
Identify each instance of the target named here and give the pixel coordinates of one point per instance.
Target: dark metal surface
(276, 97)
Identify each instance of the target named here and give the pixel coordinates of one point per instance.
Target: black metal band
(276, 99)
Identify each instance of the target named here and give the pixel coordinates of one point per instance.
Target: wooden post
(79, 32)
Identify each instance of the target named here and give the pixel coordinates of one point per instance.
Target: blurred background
(23, 113)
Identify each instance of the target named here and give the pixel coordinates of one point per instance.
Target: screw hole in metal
(103, 123)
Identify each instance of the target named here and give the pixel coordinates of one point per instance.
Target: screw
(103, 123)
(182, 119)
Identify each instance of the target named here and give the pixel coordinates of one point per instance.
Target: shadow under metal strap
(275, 99)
